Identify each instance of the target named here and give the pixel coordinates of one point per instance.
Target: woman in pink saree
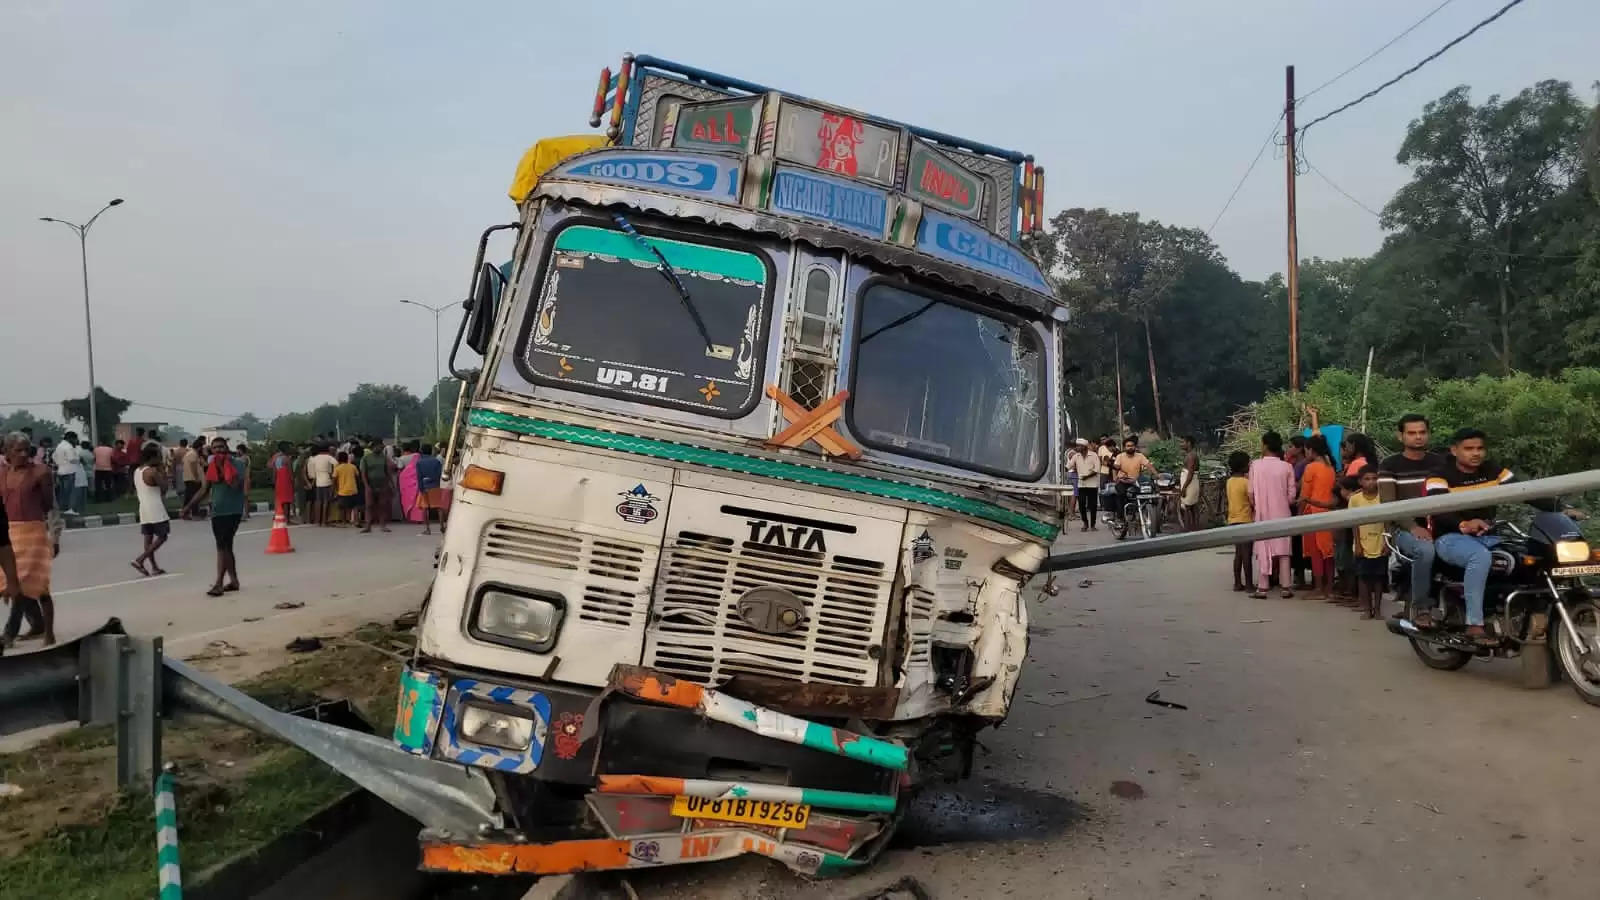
(409, 490)
(1272, 492)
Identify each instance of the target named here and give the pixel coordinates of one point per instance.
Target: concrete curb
(104, 520)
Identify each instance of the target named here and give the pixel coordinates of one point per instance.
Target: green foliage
(42, 428)
(250, 424)
(1164, 454)
(1538, 426)
(108, 411)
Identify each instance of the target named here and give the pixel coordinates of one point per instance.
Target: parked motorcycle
(1141, 512)
(1536, 608)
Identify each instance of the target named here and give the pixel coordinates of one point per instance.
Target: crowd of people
(1100, 476)
(356, 482)
(1329, 469)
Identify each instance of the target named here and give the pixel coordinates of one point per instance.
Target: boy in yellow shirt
(1372, 557)
(346, 481)
(1240, 511)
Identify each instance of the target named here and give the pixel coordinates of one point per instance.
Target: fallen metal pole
(1517, 492)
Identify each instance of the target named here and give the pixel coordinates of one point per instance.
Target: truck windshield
(607, 322)
(945, 382)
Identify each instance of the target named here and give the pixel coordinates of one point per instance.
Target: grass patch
(115, 858)
(71, 834)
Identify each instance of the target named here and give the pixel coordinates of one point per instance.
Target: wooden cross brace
(812, 424)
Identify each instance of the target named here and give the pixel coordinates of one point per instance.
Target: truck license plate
(756, 812)
(1569, 571)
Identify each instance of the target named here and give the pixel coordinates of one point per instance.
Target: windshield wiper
(665, 268)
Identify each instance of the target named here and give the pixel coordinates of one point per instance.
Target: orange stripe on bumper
(657, 687)
(639, 784)
(530, 859)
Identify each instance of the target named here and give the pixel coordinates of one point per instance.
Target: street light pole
(88, 323)
(438, 417)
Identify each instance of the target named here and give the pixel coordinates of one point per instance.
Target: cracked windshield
(947, 383)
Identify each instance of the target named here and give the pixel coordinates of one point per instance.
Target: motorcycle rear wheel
(1442, 658)
(1583, 672)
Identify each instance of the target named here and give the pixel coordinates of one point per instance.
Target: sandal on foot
(214, 591)
(139, 567)
(1286, 594)
(1258, 595)
(230, 588)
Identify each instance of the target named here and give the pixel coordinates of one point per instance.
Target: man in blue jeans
(1462, 538)
(1404, 476)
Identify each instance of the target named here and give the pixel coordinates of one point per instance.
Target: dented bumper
(615, 759)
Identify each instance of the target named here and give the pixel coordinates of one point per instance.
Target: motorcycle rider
(1462, 538)
(1128, 466)
(1404, 476)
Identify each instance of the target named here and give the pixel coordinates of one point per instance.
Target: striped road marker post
(171, 879)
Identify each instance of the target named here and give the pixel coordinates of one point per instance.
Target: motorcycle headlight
(527, 621)
(496, 728)
(1572, 551)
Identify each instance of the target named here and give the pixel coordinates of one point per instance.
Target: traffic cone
(278, 541)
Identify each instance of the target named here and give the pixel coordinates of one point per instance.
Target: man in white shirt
(68, 465)
(320, 471)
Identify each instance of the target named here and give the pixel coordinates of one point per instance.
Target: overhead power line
(1476, 248)
(1425, 60)
(1369, 57)
(1248, 169)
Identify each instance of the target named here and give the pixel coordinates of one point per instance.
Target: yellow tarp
(544, 155)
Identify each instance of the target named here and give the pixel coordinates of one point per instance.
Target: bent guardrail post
(1516, 492)
(446, 797)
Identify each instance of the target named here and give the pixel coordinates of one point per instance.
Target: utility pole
(93, 438)
(1293, 276)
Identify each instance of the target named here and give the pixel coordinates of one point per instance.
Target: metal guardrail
(110, 677)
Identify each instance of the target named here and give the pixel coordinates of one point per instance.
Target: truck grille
(695, 632)
(612, 572)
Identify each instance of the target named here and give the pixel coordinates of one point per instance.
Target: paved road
(341, 577)
(1317, 758)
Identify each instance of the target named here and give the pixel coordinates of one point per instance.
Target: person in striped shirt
(1462, 538)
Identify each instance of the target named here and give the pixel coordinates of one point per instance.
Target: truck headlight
(496, 728)
(528, 621)
(1572, 551)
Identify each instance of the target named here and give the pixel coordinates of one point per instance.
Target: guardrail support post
(122, 676)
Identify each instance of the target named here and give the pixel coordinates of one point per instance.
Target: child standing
(345, 484)
(1372, 559)
(1316, 496)
(1240, 511)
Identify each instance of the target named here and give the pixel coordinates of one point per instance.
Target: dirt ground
(1317, 758)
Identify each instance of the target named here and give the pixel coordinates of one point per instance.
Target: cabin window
(809, 375)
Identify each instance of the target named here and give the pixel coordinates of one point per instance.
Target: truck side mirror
(485, 302)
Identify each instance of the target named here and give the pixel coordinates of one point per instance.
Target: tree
(373, 409)
(1480, 176)
(108, 412)
(250, 424)
(293, 427)
(42, 428)
(446, 392)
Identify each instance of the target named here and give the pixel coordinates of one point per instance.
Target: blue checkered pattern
(453, 746)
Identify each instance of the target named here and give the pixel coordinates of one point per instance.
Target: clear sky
(293, 169)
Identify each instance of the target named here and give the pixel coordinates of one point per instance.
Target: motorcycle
(1536, 608)
(1142, 510)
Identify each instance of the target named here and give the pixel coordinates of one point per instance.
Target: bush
(1537, 426)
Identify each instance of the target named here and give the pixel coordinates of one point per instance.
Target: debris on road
(1429, 807)
(407, 621)
(1127, 790)
(217, 649)
(1058, 698)
(905, 889)
(1087, 582)
(9, 790)
(251, 619)
(303, 645)
(1155, 698)
(288, 604)
(1253, 621)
